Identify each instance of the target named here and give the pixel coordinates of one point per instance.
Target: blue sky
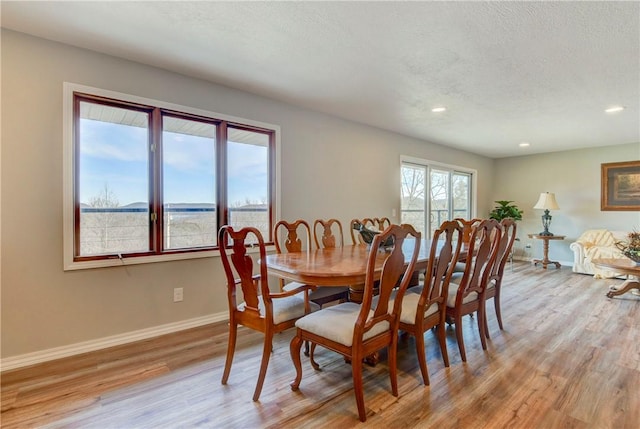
(116, 156)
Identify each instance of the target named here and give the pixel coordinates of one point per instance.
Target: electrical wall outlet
(178, 294)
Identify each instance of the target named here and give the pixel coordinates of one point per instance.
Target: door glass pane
(189, 185)
(248, 180)
(412, 194)
(439, 198)
(461, 195)
(113, 180)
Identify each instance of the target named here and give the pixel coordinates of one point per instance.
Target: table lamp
(546, 202)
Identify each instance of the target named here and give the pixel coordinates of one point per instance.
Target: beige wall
(330, 167)
(574, 176)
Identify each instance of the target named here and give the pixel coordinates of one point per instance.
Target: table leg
(624, 288)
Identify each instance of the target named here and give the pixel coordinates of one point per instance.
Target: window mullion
(155, 183)
(222, 204)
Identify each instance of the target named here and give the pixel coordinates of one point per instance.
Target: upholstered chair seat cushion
(337, 323)
(288, 308)
(409, 304)
(453, 291)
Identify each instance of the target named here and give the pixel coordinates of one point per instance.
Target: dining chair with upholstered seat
(466, 225)
(495, 280)
(296, 237)
(328, 234)
(262, 310)
(356, 330)
(424, 307)
(467, 292)
(381, 222)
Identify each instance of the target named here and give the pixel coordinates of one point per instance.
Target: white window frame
(68, 163)
(428, 164)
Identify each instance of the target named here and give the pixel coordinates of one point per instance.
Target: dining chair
(262, 310)
(355, 330)
(494, 286)
(467, 292)
(424, 307)
(356, 238)
(381, 222)
(328, 234)
(466, 224)
(296, 237)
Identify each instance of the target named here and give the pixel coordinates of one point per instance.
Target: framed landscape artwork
(620, 186)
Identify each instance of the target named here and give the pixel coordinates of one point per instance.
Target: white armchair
(596, 243)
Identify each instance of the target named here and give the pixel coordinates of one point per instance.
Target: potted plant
(505, 209)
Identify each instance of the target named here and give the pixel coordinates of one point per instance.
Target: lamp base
(546, 233)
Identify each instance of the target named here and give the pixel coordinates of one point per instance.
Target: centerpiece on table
(368, 234)
(631, 247)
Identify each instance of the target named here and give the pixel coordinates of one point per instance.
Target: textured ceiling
(508, 72)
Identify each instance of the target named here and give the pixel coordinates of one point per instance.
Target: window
(450, 191)
(151, 181)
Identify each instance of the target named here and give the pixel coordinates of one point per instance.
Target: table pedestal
(629, 285)
(623, 266)
(545, 249)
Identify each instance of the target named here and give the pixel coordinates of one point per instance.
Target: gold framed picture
(620, 186)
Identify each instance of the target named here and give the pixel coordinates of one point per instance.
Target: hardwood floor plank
(568, 357)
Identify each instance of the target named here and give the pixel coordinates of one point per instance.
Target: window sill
(116, 262)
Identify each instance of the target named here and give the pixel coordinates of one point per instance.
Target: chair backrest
(445, 249)
(483, 245)
(238, 268)
(381, 223)
(356, 238)
(293, 231)
(328, 233)
(466, 227)
(393, 271)
(504, 246)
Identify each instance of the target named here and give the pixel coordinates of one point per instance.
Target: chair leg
(231, 348)
(422, 358)
(458, 325)
(314, 364)
(496, 304)
(358, 389)
(481, 326)
(266, 354)
(486, 325)
(393, 363)
(442, 340)
(294, 348)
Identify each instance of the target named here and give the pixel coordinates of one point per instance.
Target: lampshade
(547, 201)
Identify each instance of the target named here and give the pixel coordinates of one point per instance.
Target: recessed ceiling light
(614, 109)
(438, 109)
(524, 144)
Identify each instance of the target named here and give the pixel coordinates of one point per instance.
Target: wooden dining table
(340, 266)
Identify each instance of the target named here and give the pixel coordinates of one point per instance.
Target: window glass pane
(113, 180)
(189, 185)
(461, 192)
(412, 194)
(439, 198)
(248, 179)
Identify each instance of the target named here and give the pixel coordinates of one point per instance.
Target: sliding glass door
(443, 193)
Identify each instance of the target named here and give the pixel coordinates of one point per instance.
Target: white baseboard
(529, 258)
(20, 361)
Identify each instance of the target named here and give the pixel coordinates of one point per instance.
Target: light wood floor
(569, 357)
